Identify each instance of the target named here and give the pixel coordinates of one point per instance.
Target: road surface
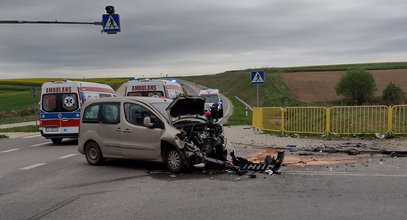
(39, 180)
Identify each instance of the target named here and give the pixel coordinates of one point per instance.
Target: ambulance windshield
(157, 94)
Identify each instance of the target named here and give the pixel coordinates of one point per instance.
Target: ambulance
(212, 98)
(154, 88)
(61, 103)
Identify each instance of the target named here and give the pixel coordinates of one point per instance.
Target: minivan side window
(91, 114)
(135, 115)
(111, 112)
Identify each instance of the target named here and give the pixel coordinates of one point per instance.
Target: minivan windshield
(161, 107)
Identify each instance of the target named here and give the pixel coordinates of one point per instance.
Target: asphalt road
(39, 180)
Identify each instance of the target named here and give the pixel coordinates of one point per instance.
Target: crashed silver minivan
(175, 132)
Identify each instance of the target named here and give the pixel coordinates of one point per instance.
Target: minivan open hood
(186, 106)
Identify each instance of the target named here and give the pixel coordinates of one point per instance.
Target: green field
(16, 100)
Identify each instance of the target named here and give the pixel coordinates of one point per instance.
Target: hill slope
(237, 83)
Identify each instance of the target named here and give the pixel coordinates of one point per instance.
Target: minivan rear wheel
(174, 160)
(93, 154)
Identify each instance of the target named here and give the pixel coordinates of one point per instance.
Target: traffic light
(109, 9)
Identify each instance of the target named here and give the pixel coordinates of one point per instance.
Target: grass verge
(29, 128)
(239, 116)
(11, 120)
(3, 136)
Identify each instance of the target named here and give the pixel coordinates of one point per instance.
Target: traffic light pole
(46, 22)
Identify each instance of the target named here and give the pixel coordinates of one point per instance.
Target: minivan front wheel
(93, 153)
(174, 160)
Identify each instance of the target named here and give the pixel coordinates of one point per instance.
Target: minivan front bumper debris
(270, 165)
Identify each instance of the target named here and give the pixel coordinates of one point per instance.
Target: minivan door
(139, 141)
(110, 130)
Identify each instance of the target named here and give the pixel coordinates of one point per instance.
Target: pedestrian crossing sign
(111, 23)
(257, 77)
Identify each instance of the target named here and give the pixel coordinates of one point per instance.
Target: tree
(357, 85)
(393, 94)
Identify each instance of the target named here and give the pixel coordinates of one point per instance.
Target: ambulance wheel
(56, 140)
(93, 153)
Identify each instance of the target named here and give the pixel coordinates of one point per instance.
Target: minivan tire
(174, 160)
(56, 140)
(93, 154)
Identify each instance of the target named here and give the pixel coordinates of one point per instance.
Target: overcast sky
(189, 37)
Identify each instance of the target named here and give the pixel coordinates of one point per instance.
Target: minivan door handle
(64, 119)
(127, 130)
(118, 130)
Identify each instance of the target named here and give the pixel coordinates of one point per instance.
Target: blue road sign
(111, 23)
(257, 77)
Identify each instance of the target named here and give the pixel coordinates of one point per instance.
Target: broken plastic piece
(291, 147)
(269, 172)
(200, 165)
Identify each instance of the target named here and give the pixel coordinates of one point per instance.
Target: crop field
(314, 87)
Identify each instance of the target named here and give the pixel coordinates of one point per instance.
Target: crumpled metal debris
(241, 165)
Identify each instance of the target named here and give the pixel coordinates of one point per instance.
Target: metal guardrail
(359, 119)
(257, 118)
(310, 120)
(333, 120)
(272, 119)
(398, 119)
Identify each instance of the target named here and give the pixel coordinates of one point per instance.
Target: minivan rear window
(60, 102)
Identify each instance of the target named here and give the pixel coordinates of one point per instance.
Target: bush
(393, 95)
(357, 85)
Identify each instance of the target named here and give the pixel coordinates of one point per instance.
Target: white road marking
(36, 145)
(32, 166)
(316, 173)
(66, 156)
(33, 136)
(11, 150)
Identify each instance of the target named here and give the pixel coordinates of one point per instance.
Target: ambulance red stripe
(56, 122)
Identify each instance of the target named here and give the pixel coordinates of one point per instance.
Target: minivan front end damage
(205, 146)
(204, 141)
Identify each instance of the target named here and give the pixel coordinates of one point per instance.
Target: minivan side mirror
(147, 122)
